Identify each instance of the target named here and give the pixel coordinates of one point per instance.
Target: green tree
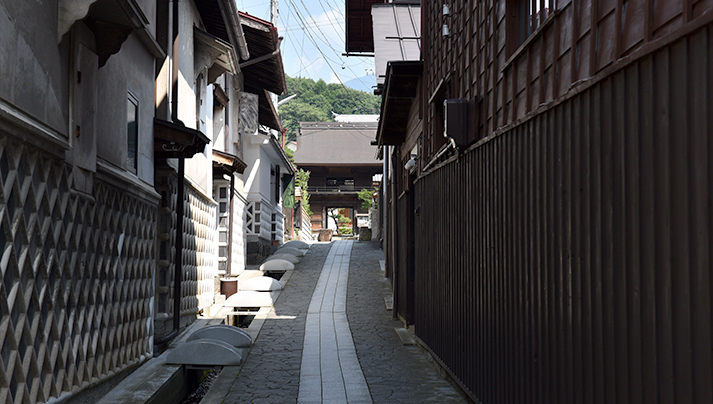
(365, 196)
(316, 100)
(302, 181)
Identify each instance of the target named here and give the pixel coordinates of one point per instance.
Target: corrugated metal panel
(568, 259)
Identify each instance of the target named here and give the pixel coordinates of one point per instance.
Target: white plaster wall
(199, 168)
(127, 71)
(35, 69)
(239, 246)
(257, 174)
(148, 7)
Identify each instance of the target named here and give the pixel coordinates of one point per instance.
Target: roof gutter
(237, 36)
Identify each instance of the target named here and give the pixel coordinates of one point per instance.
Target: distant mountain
(366, 83)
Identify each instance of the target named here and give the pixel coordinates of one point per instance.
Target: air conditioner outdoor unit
(455, 120)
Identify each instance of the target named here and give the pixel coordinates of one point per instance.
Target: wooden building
(552, 243)
(341, 162)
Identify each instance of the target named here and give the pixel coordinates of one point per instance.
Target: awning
(400, 89)
(172, 140)
(228, 162)
(214, 54)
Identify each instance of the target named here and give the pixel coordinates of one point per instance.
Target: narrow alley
(331, 339)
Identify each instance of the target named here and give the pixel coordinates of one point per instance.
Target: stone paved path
(330, 369)
(394, 373)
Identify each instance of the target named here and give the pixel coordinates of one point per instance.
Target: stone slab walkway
(330, 320)
(330, 369)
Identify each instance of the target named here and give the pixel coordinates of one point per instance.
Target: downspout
(178, 260)
(392, 239)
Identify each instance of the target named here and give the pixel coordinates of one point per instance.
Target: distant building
(342, 162)
(354, 118)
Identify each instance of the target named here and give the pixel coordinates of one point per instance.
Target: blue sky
(317, 51)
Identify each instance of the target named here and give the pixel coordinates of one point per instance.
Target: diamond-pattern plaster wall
(77, 287)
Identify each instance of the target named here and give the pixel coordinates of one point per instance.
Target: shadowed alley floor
(331, 339)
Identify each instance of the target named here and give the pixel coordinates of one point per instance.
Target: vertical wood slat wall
(579, 40)
(568, 260)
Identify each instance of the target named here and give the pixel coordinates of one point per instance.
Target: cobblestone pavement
(271, 372)
(395, 373)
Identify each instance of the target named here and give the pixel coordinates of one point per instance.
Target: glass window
(132, 133)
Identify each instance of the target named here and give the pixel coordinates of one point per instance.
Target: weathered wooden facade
(341, 163)
(561, 252)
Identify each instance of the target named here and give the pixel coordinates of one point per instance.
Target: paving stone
(293, 302)
(394, 373)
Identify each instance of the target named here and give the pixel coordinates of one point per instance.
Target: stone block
(248, 298)
(364, 234)
(287, 257)
(205, 352)
(232, 335)
(289, 250)
(300, 245)
(261, 284)
(277, 265)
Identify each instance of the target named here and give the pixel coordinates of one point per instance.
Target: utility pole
(273, 12)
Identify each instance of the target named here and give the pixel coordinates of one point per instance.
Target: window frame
(132, 165)
(517, 40)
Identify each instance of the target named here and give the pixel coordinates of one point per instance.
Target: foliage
(345, 231)
(316, 100)
(339, 219)
(302, 181)
(367, 200)
(290, 154)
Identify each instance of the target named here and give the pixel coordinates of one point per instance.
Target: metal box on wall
(455, 120)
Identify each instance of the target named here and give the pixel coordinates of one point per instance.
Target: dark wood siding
(567, 257)
(580, 40)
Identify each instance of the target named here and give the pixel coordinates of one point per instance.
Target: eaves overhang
(359, 38)
(172, 140)
(111, 21)
(228, 162)
(282, 156)
(267, 113)
(220, 18)
(214, 54)
(264, 69)
(400, 89)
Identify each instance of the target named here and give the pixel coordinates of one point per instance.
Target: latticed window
(524, 18)
(253, 218)
(532, 14)
(221, 194)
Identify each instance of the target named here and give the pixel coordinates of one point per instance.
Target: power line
(326, 41)
(309, 34)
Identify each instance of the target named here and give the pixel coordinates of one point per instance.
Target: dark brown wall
(581, 39)
(566, 259)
